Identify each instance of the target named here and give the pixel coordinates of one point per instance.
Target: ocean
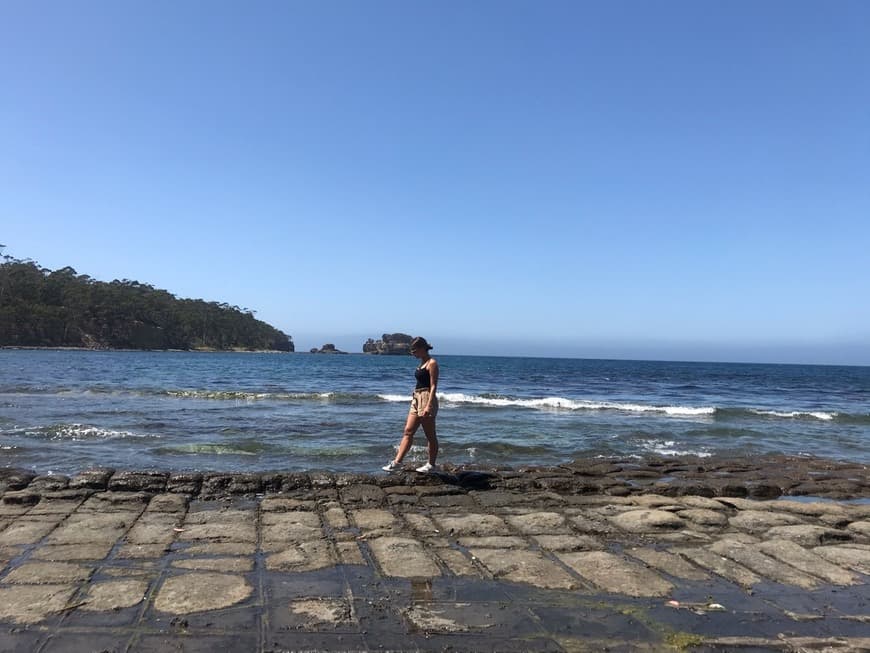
(65, 411)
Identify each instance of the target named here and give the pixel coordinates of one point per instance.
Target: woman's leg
(429, 430)
(411, 427)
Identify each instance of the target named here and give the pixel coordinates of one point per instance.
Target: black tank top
(423, 378)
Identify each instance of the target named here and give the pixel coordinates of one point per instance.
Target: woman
(424, 407)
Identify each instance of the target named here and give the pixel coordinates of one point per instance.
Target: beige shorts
(419, 401)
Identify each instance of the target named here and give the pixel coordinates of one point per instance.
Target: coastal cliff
(391, 344)
(62, 308)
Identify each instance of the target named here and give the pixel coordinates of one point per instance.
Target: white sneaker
(427, 468)
(390, 466)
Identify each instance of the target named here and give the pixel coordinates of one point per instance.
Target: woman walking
(424, 407)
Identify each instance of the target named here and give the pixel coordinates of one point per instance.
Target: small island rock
(395, 344)
(328, 348)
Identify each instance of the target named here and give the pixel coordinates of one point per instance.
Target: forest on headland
(62, 308)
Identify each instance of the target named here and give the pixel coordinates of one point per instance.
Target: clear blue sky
(680, 180)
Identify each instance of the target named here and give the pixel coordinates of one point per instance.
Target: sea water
(64, 411)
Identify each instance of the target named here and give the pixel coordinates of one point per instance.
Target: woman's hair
(420, 343)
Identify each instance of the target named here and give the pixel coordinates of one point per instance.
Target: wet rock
(505, 542)
(282, 504)
(694, 489)
(220, 485)
(472, 525)
(750, 557)
(362, 493)
(403, 557)
(67, 552)
(846, 556)
(471, 480)
(860, 527)
(801, 558)
(90, 528)
(92, 479)
(733, 490)
(618, 490)
(68, 494)
(297, 481)
(568, 542)
(758, 521)
(671, 564)
(440, 489)
(168, 503)
(460, 501)
(26, 531)
(16, 479)
(764, 491)
(29, 604)
(306, 556)
(196, 592)
(647, 521)
(523, 566)
(220, 531)
(539, 523)
(321, 480)
(184, 483)
(336, 518)
(281, 528)
(556, 483)
(37, 573)
(721, 566)
(21, 498)
(703, 517)
(320, 612)
(615, 574)
(345, 480)
(374, 520)
(810, 535)
(50, 483)
(153, 482)
(116, 501)
(114, 595)
(234, 564)
(587, 468)
(270, 482)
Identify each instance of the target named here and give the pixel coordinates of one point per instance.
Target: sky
(673, 180)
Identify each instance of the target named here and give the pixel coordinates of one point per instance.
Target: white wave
(397, 397)
(75, 432)
(666, 448)
(574, 404)
(796, 414)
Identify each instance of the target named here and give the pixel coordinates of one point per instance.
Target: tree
(40, 307)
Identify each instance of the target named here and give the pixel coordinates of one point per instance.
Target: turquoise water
(64, 411)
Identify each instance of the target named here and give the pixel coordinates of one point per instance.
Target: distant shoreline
(177, 351)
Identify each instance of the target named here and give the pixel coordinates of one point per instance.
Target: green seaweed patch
(683, 641)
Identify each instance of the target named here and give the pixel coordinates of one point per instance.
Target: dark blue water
(64, 411)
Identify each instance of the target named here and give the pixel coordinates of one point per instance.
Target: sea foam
(796, 414)
(563, 403)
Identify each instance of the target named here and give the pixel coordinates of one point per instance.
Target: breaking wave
(563, 403)
(74, 433)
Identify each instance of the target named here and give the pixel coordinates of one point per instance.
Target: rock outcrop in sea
(395, 344)
(328, 348)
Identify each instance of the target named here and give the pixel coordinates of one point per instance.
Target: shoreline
(177, 351)
(753, 477)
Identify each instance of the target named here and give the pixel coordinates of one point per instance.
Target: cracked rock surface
(509, 560)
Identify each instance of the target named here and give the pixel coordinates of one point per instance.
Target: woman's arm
(433, 384)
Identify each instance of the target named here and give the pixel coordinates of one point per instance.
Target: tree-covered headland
(62, 308)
